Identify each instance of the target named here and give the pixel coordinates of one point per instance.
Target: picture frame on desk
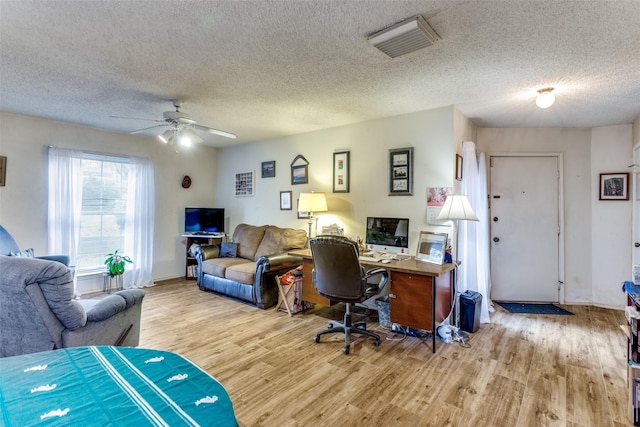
(431, 247)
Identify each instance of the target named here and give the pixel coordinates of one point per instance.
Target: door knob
(637, 244)
(495, 219)
(496, 239)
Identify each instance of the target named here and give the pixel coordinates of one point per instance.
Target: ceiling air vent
(404, 37)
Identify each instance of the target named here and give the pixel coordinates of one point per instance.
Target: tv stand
(201, 239)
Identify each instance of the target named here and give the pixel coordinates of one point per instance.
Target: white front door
(524, 218)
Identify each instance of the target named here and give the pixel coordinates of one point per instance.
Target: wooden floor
(520, 370)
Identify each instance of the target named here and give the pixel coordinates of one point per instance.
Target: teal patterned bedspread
(110, 386)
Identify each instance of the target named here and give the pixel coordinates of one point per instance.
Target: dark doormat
(525, 308)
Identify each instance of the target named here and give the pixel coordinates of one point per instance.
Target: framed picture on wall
(614, 186)
(341, 172)
(269, 169)
(245, 184)
(401, 171)
(458, 167)
(285, 200)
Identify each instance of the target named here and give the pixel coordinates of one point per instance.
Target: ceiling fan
(182, 127)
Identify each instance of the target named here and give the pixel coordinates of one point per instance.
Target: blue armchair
(8, 245)
(39, 313)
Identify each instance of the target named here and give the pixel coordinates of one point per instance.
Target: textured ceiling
(268, 68)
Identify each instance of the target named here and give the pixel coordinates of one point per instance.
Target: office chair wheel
(345, 350)
(317, 339)
(376, 343)
(330, 326)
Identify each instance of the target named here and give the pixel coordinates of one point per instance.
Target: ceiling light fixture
(545, 98)
(404, 37)
(182, 136)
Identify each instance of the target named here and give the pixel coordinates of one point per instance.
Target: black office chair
(338, 276)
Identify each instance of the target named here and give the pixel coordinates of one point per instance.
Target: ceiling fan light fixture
(545, 98)
(166, 136)
(187, 137)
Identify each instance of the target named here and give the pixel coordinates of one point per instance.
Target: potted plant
(116, 262)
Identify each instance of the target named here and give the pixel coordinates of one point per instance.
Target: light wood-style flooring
(520, 370)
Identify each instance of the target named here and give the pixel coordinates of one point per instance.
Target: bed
(104, 386)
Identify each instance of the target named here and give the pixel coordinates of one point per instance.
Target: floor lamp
(457, 208)
(310, 203)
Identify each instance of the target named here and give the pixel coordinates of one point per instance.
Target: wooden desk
(420, 294)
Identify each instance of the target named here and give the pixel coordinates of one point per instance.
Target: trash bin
(470, 303)
(384, 317)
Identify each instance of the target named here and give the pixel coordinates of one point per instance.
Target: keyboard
(368, 259)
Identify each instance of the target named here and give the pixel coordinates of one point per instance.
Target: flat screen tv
(204, 220)
(389, 235)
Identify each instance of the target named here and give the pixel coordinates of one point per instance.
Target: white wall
(611, 151)
(429, 132)
(23, 201)
(581, 167)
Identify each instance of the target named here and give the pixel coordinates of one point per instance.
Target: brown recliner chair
(338, 276)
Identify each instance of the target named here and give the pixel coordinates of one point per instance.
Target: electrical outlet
(395, 327)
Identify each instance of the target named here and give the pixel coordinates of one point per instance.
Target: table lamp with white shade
(312, 202)
(457, 208)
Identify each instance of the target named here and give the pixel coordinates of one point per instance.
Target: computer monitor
(390, 235)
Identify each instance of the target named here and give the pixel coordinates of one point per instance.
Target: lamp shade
(312, 202)
(457, 206)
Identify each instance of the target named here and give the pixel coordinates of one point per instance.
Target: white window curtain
(139, 224)
(65, 202)
(475, 271)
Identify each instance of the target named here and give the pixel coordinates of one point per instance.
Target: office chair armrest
(375, 271)
(374, 288)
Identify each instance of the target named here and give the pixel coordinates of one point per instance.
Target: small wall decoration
(614, 186)
(245, 184)
(299, 172)
(341, 172)
(458, 167)
(435, 201)
(285, 200)
(431, 247)
(401, 171)
(269, 169)
(3, 170)
(186, 181)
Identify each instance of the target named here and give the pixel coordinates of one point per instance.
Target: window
(99, 203)
(103, 209)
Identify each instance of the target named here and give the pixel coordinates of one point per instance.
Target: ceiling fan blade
(146, 129)
(215, 131)
(137, 118)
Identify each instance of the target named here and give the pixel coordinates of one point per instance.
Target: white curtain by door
(474, 271)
